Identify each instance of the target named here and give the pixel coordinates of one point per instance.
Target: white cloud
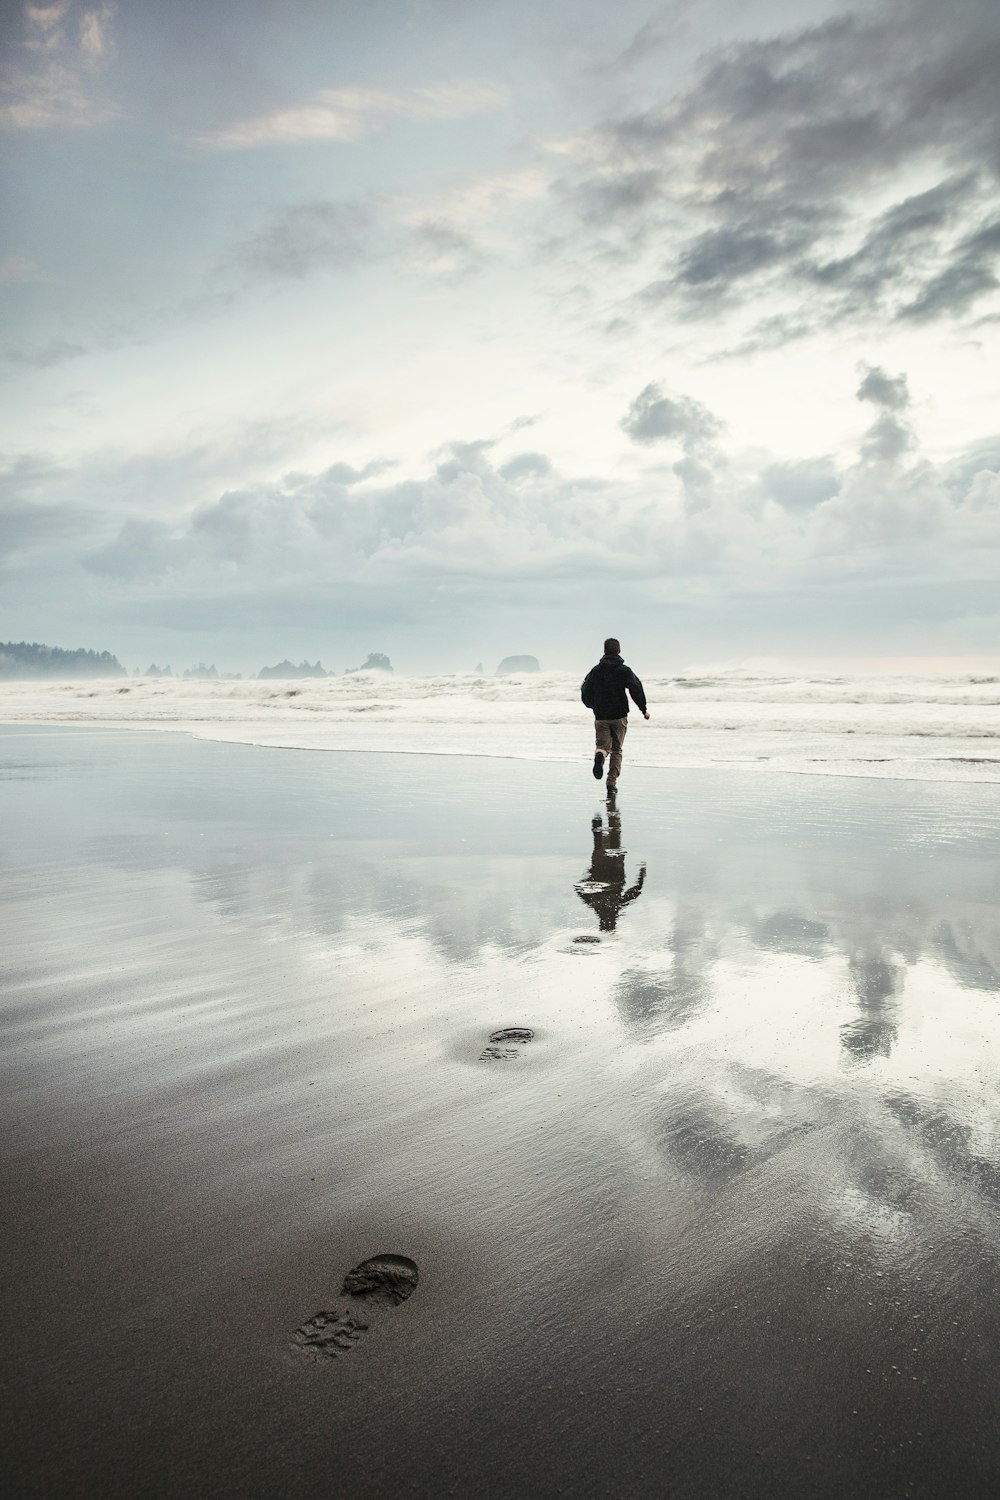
(95, 32)
(346, 114)
(50, 78)
(709, 522)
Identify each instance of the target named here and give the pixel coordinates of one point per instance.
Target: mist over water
(941, 729)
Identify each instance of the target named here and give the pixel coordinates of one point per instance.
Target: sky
(454, 330)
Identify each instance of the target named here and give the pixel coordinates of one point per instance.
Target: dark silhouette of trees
(31, 659)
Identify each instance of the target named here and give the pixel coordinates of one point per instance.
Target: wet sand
(727, 1222)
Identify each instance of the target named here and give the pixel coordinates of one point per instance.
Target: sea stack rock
(518, 664)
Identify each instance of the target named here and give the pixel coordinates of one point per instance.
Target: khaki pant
(610, 739)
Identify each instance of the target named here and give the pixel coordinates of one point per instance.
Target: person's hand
(645, 715)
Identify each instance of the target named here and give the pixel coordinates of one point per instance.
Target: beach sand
(727, 1223)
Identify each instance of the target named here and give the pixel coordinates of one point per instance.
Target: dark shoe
(612, 788)
(599, 765)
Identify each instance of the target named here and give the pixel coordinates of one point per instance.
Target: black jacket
(605, 686)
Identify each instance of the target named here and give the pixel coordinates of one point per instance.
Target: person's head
(612, 647)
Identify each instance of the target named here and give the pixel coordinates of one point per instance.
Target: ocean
(934, 728)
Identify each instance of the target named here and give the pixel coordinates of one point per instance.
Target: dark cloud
(888, 391)
(758, 176)
(722, 257)
(619, 195)
(898, 245)
(832, 105)
(654, 418)
(309, 237)
(25, 527)
(890, 435)
(32, 518)
(138, 552)
(971, 274)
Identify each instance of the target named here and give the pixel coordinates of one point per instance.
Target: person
(606, 690)
(603, 886)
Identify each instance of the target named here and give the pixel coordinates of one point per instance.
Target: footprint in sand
(382, 1282)
(506, 1043)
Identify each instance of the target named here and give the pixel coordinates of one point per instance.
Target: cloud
(44, 356)
(889, 391)
(481, 531)
(898, 243)
(110, 335)
(346, 474)
(50, 80)
(890, 436)
(619, 195)
(95, 32)
(444, 250)
(463, 521)
(308, 237)
(32, 515)
(652, 39)
(969, 275)
(723, 257)
(525, 466)
(786, 171)
(654, 418)
(346, 114)
(801, 485)
(471, 529)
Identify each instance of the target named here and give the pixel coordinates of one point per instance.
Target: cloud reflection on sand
(745, 1173)
(831, 980)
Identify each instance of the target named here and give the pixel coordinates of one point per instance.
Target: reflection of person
(603, 887)
(606, 690)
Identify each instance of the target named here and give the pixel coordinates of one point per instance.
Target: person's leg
(602, 737)
(616, 735)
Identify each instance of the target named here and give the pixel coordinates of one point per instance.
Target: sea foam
(933, 728)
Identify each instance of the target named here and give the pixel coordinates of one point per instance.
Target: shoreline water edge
(943, 728)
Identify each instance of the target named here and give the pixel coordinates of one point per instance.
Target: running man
(606, 690)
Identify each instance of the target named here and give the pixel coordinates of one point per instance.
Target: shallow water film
(686, 1108)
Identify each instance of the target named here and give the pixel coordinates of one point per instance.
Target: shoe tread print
(506, 1044)
(382, 1281)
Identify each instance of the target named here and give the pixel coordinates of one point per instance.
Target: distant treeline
(30, 659)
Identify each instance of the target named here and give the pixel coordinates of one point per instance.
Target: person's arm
(587, 690)
(636, 692)
(636, 889)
